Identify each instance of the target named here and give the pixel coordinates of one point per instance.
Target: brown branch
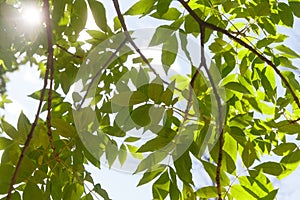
(219, 165)
(241, 42)
(123, 24)
(34, 124)
(50, 67)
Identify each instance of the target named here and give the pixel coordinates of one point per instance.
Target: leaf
(151, 162)
(270, 196)
(155, 144)
(249, 154)
(284, 149)
(208, 192)
(237, 87)
(295, 6)
(114, 131)
(142, 7)
(161, 187)
(73, 191)
(162, 33)
(285, 14)
(4, 143)
(171, 14)
(122, 154)
(149, 176)
(78, 15)
(141, 116)
(63, 128)
(99, 14)
(10, 130)
(23, 126)
(101, 192)
(117, 24)
(163, 6)
(169, 52)
(287, 51)
(32, 191)
(271, 168)
(183, 167)
(268, 25)
(137, 97)
(111, 151)
(155, 91)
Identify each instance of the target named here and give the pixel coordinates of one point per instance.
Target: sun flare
(31, 15)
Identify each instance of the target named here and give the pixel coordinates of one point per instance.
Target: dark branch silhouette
(34, 124)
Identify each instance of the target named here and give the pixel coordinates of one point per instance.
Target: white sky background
(120, 185)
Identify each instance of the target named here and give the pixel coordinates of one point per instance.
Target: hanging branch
(50, 67)
(241, 42)
(34, 124)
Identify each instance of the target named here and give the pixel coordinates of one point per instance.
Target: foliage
(46, 159)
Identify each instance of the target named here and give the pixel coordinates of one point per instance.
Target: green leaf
(142, 7)
(208, 192)
(73, 191)
(101, 192)
(237, 87)
(111, 151)
(268, 25)
(154, 144)
(270, 196)
(4, 143)
(155, 91)
(99, 14)
(114, 131)
(271, 168)
(160, 188)
(149, 176)
(122, 154)
(163, 6)
(287, 51)
(249, 154)
(63, 128)
(169, 52)
(284, 149)
(23, 125)
(79, 15)
(295, 6)
(32, 191)
(117, 24)
(137, 97)
(141, 116)
(183, 167)
(162, 33)
(285, 14)
(171, 14)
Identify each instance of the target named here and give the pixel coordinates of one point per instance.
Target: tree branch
(34, 124)
(50, 67)
(68, 52)
(241, 42)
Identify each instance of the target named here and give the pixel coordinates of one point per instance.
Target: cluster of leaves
(256, 68)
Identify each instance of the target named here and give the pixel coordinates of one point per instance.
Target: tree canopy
(198, 82)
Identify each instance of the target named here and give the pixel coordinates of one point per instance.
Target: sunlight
(31, 15)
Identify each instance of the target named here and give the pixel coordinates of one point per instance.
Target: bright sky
(120, 185)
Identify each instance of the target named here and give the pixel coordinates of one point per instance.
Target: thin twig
(34, 124)
(68, 52)
(241, 42)
(100, 70)
(128, 36)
